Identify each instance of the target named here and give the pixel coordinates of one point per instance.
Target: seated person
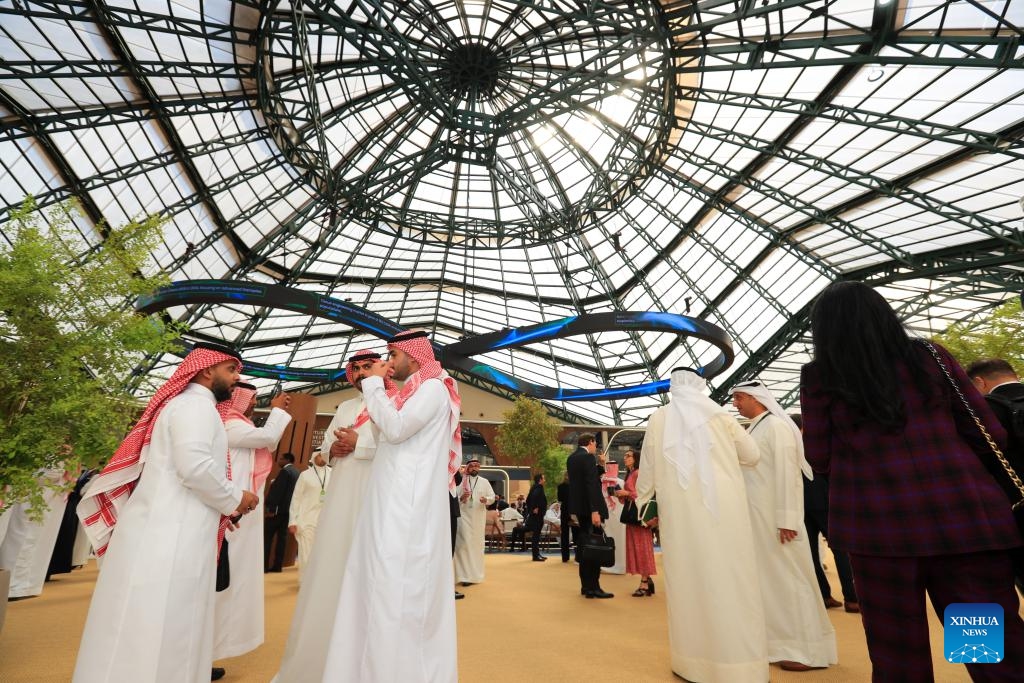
(553, 518)
(493, 528)
(512, 520)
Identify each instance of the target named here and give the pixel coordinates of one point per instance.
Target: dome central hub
(473, 71)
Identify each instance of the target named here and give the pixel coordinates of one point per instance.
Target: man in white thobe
(351, 449)
(692, 457)
(27, 546)
(800, 635)
(395, 617)
(238, 620)
(154, 514)
(307, 501)
(475, 494)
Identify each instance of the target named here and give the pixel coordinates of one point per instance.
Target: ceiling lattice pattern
(471, 165)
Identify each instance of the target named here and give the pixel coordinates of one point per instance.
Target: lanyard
(323, 482)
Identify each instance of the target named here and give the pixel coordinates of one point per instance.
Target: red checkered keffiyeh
(390, 388)
(109, 490)
(234, 409)
(419, 349)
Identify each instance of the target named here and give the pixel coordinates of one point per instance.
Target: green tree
(551, 464)
(528, 431)
(997, 335)
(68, 340)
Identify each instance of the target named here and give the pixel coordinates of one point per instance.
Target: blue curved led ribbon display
(453, 356)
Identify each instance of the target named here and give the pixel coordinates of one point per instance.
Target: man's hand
(346, 442)
(595, 518)
(536, 511)
(464, 498)
(248, 503)
(281, 401)
(379, 368)
(786, 535)
(292, 528)
(483, 499)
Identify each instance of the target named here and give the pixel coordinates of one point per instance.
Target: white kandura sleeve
(193, 429)
(244, 435)
(429, 401)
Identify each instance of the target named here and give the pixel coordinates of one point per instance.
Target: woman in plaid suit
(910, 500)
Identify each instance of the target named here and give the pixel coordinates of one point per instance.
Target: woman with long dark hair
(910, 500)
(639, 539)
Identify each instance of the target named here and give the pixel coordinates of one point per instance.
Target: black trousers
(455, 525)
(816, 521)
(276, 526)
(590, 572)
(535, 539)
(564, 538)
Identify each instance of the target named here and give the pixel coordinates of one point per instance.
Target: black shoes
(216, 673)
(459, 596)
(540, 558)
(599, 594)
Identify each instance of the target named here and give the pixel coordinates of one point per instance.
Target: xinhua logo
(974, 633)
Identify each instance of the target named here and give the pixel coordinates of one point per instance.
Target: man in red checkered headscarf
(349, 445)
(153, 514)
(397, 593)
(238, 616)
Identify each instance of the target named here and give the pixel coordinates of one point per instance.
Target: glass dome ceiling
(466, 166)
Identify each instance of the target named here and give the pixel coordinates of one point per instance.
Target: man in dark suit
(588, 507)
(565, 514)
(275, 522)
(536, 506)
(1002, 388)
(454, 513)
(1004, 392)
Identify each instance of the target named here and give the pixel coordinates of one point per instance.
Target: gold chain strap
(1010, 472)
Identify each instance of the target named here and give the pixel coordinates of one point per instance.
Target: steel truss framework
(475, 165)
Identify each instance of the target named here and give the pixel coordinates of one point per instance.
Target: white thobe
(395, 619)
(307, 500)
(614, 528)
(82, 548)
(27, 547)
(305, 653)
(716, 621)
(470, 535)
(151, 617)
(798, 626)
(238, 621)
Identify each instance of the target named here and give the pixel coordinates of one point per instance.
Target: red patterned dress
(639, 539)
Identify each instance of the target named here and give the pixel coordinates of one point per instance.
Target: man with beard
(475, 494)
(349, 445)
(395, 618)
(167, 492)
(238, 620)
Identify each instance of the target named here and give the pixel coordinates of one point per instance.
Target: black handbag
(629, 513)
(596, 547)
(223, 567)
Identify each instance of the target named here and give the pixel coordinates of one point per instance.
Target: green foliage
(551, 463)
(528, 431)
(998, 335)
(68, 340)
